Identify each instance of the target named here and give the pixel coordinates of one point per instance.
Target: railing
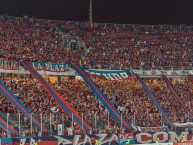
(61, 124)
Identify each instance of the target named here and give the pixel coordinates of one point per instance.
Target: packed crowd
(128, 97)
(41, 104)
(185, 92)
(96, 45)
(167, 100)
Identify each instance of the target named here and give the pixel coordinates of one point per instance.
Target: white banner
(151, 129)
(60, 129)
(71, 72)
(157, 73)
(21, 70)
(7, 66)
(185, 125)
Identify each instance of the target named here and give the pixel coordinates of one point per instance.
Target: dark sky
(110, 11)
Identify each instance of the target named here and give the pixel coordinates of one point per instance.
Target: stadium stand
(103, 46)
(128, 97)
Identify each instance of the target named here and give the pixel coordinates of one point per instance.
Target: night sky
(105, 11)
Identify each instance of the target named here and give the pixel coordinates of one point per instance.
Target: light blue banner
(50, 67)
(110, 74)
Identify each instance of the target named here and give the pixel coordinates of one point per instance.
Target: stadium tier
(128, 96)
(96, 45)
(58, 89)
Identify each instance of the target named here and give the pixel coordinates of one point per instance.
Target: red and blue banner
(59, 99)
(154, 100)
(101, 96)
(6, 127)
(169, 84)
(19, 105)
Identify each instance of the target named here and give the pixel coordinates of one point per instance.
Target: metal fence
(62, 124)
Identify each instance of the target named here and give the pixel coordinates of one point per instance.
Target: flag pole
(121, 122)
(134, 119)
(7, 125)
(161, 119)
(72, 120)
(41, 123)
(108, 120)
(82, 124)
(19, 124)
(31, 124)
(50, 123)
(95, 119)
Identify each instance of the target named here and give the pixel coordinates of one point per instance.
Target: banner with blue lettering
(110, 74)
(50, 67)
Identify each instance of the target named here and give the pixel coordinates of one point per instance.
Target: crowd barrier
(104, 139)
(166, 138)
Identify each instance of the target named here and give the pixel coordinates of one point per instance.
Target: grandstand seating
(128, 97)
(185, 89)
(105, 46)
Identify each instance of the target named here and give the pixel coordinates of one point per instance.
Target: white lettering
(116, 76)
(23, 141)
(56, 68)
(47, 66)
(33, 64)
(176, 138)
(63, 140)
(61, 67)
(87, 139)
(76, 139)
(108, 76)
(102, 137)
(139, 139)
(6, 64)
(51, 67)
(114, 137)
(39, 66)
(32, 141)
(124, 75)
(165, 136)
(171, 136)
